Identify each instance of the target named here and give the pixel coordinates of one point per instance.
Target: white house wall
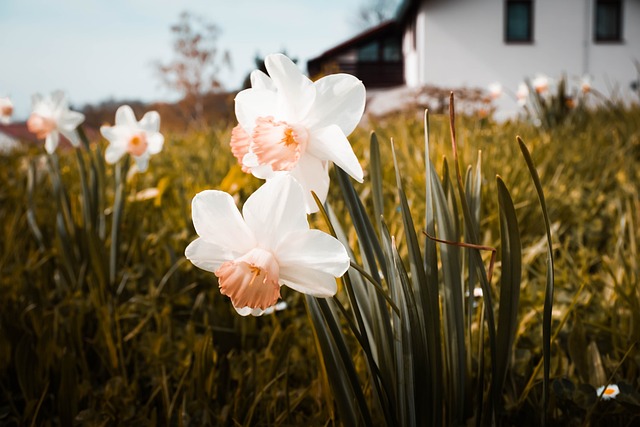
(461, 43)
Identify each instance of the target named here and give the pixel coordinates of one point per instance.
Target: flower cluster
(289, 129)
(51, 117)
(541, 86)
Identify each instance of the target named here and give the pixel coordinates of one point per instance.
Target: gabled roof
(359, 39)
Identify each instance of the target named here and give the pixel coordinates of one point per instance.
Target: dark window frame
(507, 38)
(617, 38)
(381, 43)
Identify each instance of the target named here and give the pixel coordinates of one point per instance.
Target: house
(374, 56)
(473, 43)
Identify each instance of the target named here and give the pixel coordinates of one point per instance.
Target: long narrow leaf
(453, 307)
(432, 307)
(548, 293)
(420, 318)
(510, 279)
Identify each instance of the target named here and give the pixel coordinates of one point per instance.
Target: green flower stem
(118, 207)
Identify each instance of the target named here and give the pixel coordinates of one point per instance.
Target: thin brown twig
(493, 250)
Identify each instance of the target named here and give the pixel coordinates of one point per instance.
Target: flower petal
(274, 210)
(330, 144)
(313, 175)
(250, 161)
(217, 220)
(150, 122)
(115, 134)
(207, 256)
(310, 282)
(70, 120)
(72, 136)
(340, 100)
(245, 311)
(296, 92)
(114, 152)
(260, 80)
(142, 162)
(253, 103)
(126, 117)
(313, 249)
(59, 101)
(51, 142)
(155, 141)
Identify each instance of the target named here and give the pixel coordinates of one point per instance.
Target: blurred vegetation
(162, 347)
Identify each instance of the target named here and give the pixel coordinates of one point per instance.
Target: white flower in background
(541, 84)
(522, 94)
(610, 392)
(6, 110)
(495, 90)
(51, 117)
(287, 123)
(268, 246)
(140, 139)
(585, 84)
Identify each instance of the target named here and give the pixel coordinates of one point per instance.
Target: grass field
(154, 343)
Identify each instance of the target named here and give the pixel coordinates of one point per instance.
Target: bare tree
(373, 12)
(195, 69)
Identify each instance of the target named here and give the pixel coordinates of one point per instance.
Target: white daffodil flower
(287, 123)
(585, 84)
(522, 94)
(140, 139)
(495, 90)
(51, 117)
(541, 84)
(6, 110)
(610, 392)
(268, 246)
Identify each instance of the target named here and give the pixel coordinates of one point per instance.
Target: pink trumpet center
(240, 141)
(41, 126)
(137, 144)
(251, 280)
(541, 87)
(278, 144)
(6, 110)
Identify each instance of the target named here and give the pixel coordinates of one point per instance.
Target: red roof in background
(18, 131)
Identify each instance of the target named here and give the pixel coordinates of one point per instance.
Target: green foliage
(152, 342)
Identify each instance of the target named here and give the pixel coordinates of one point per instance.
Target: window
(391, 50)
(608, 25)
(369, 52)
(519, 21)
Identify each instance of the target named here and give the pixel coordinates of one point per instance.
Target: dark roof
(18, 131)
(405, 9)
(359, 39)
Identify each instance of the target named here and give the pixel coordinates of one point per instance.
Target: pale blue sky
(95, 50)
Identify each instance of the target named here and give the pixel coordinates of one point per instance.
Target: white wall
(461, 43)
